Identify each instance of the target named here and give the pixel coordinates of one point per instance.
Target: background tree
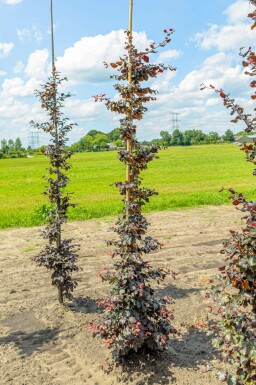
(11, 144)
(177, 138)
(114, 135)
(84, 144)
(119, 143)
(198, 137)
(131, 316)
(93, 133)
(166, 138)
(187, 137)
(18, 144)
(100, 141)
(4, 146)
(59, 255)
(229, 136)
(87, 143)
(213, 137)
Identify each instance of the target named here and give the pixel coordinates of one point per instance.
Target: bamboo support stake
(128, 142)
(58, 240)
(52, 40)
(55, 126)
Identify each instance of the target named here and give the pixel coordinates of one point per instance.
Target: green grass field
(183, 176)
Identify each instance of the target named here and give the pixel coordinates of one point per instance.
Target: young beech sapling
(235, 288)
(131, 316)
(59, 255)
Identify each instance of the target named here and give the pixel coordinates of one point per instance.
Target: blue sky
(204, 48)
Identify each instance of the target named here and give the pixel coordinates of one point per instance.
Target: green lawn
(183, 176)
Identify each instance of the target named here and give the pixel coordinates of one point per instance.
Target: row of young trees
(131, 317)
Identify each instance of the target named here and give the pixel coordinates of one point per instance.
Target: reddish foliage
(235, 290)
(132, 317)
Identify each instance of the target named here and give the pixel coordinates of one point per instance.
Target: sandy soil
(42, 343)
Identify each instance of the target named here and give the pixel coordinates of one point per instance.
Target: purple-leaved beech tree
(59, 255)
(235, 288)
(131, 316)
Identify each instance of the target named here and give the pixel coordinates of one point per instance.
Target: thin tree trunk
(60, 295)
(128, 142)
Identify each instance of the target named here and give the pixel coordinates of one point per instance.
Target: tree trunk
(60, 295)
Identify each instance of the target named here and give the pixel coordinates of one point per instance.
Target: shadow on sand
(84, 305)
(175, 292)
(29, 343)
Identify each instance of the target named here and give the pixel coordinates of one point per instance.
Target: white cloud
(238, 11)
(167, 55)
(84, 61)
(11, 109)
(215, 69)
(11, 2)
(83, 108)
(5, 49)
(212, 102)
(235, 34)
(163, 82)
(33, 33)
(17, 87)
(227, 37)
(37, 64)
(3, 73)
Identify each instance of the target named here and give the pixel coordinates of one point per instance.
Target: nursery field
(183, 176)
(44, 343)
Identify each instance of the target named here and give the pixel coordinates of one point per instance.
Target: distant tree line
(192, 137)
(99, 141)
(12, 149)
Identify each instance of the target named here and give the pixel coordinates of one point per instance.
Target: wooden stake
(58, 240)
(52, 40)
(128, 142)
